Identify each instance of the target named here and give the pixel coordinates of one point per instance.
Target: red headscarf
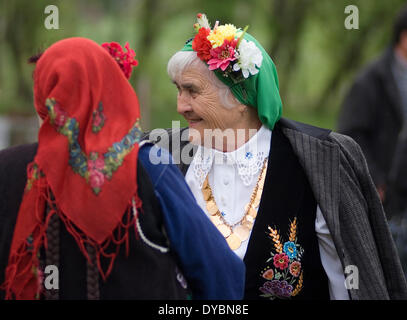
(86, 163)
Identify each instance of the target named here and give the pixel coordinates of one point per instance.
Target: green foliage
(316, 57)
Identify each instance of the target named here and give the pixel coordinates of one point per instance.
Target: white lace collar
(248, 158)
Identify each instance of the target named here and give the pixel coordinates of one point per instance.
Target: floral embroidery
(269, 274)
(290, 249)
(277, 288)
(285, 275)
(98, 119)
(96, 165)
(30, 241)
(295, 268)
(35, 175)
(95, 168)
(281, 261)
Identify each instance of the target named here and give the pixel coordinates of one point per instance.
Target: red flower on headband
(125, 60)
(201, 45)
(222, 56)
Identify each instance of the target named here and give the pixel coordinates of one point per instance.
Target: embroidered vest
(282, 258)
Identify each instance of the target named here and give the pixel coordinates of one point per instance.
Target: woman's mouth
(193, 122)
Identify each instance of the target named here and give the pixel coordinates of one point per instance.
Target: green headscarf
(260, 91)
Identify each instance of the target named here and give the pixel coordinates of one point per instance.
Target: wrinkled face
(200, 104)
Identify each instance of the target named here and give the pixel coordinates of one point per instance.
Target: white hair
(181, 60)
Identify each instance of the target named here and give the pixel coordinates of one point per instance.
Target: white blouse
(233, 176)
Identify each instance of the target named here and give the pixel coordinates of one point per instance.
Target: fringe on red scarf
(23, 277)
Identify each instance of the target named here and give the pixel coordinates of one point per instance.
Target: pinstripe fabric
(339, 177)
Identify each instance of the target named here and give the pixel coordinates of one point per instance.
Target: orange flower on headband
(125, 60)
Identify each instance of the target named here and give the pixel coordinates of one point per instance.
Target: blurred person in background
(374, 113)
(87, 199)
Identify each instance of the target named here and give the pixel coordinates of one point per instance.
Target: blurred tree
(21, 19)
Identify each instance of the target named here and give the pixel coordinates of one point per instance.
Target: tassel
(22, 272)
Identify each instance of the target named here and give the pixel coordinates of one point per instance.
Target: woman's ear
(242, 108)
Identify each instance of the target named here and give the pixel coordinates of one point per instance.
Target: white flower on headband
(249, 56)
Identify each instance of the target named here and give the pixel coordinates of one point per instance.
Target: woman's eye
(193, 93)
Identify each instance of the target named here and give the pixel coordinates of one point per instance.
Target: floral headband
(224, 48)
(125, 60)
(240, 62)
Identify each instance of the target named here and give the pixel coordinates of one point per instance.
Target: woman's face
(200, 104)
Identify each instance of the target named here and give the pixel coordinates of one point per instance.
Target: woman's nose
(183, 104)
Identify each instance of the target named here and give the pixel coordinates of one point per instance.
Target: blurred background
(317, 58)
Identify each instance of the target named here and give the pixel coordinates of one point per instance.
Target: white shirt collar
(248, 159)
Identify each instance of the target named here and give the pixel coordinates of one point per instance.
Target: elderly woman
(295, 202)
(92, 204)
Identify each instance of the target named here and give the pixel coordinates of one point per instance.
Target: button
(181, 279)
(225, 181)
(249, 155)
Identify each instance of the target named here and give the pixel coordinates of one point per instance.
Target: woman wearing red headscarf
(92, 204)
